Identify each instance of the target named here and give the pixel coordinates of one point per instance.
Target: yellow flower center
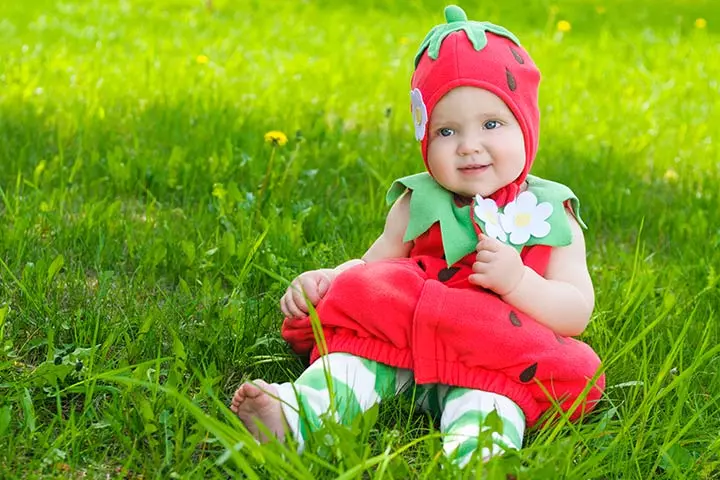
(492, 217)
(522, 219)
(418, 116)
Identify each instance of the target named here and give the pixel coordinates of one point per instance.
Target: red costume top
(421, 314)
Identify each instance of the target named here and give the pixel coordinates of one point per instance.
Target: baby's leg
(463, 418)
(357, 384)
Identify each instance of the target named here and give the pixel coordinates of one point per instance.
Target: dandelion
(564, 26)
(202, 59)
(276, 138)
(219, 191)
(671, 176)
(700, 23)
(600, 9)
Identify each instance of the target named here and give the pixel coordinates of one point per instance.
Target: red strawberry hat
(479, 54)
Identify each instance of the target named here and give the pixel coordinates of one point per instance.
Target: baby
(476, 285)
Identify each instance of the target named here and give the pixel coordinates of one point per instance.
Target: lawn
(147, 230)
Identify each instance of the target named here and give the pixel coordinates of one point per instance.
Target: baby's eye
(491, 125)
(445, 132)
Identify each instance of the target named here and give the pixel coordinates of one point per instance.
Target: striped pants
(357, 384)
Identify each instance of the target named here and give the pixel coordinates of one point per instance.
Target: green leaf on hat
(457, 21)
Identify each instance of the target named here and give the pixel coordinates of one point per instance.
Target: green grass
(135, 239)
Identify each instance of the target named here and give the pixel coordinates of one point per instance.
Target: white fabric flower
(487, 210)
(524, 217)
(419, 113)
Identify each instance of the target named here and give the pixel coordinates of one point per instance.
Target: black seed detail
(560, 339)
(515, 320)
(529, 373)
(421, 264)
(512, 84)
(517, 56)
(447, 273)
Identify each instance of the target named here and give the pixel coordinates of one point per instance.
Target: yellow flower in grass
(276, 138)
(600, 9)
(564, 26)
(202, 59)
(219, 191)
(671, 176)
(700, 23)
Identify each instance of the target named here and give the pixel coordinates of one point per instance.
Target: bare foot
(255, 403)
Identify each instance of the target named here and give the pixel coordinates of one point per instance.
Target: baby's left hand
(498, 266)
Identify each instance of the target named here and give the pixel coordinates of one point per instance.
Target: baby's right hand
(315, 283)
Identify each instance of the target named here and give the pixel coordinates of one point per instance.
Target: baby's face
(475, 144)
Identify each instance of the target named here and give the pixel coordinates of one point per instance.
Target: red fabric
(496, 68)
(416, 313)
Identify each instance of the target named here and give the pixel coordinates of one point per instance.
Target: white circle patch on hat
(419, 113)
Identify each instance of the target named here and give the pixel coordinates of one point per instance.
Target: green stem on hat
(453, 13)
(457, 21)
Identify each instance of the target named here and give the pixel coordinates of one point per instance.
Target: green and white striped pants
(358, 384)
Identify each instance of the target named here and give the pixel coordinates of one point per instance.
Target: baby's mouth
(472, 168)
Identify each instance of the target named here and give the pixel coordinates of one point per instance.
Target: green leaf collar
(430, 203)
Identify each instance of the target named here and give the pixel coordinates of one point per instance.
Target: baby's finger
(478, 279)
(292, 308)
(298, 300)
(311, 290)
(322, 286)
(481, 267)
(283, 306)
(485, 256)
(297, 310)
(490, 244)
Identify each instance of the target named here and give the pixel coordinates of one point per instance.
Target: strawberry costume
(420, 313)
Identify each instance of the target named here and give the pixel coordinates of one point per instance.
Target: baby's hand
(498, 266)
(315, 283)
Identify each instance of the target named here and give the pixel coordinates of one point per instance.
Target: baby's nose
(469, 146)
